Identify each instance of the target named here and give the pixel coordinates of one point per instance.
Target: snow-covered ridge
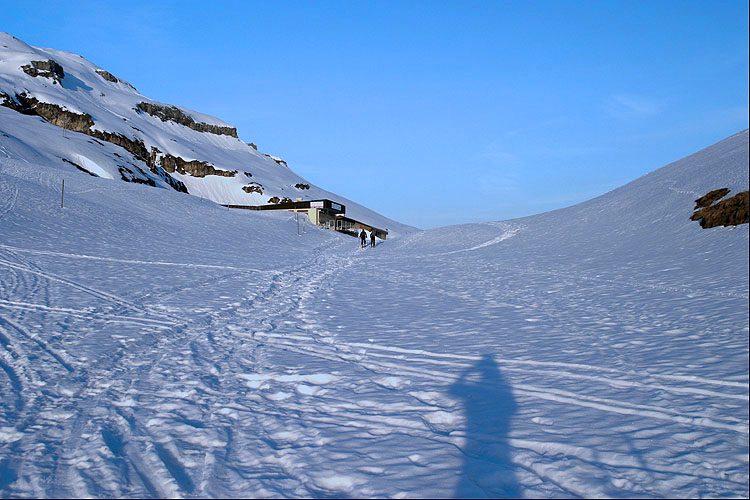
(158, 144)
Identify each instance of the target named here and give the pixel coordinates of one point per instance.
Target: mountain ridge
(168, 145)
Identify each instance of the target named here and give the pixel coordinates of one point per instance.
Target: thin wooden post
(62, 197)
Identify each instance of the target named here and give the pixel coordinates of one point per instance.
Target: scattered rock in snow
(277, 160)
(47, 69)
(112, 78)
(253, 187)
(730, 212)
(276, 199)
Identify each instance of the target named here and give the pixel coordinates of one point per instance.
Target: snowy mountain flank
(154, 344)
(101, 126)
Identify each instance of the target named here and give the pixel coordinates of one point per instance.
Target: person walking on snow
(363, 238)
(372, 239)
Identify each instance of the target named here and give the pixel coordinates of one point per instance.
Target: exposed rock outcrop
(302, 186)
(129, 176)
(133, 146)
(55, 114)
(277, 160)
(730, 212)
(9, 102)
(276, 199)
(708, 199)
(77, 122)
(82, 122)
(252, 145)
(47, 69)
(177, 185)
(112, 78)
(253, 187)
(107, 75)
(174, 114)
(196, 168)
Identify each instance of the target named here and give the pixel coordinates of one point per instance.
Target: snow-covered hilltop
(159, 144)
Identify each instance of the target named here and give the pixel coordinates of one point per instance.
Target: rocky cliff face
(83, 123)
(173, 114)
(53, 113)
(46, 69)
(195, 168)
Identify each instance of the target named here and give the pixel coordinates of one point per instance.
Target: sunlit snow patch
(94, 168)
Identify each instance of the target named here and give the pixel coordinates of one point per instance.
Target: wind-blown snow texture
(154, 344)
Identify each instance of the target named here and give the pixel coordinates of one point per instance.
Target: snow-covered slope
(641, 229)
(154, 344)
(164, 145)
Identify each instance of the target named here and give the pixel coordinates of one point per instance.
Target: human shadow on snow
(489, 407)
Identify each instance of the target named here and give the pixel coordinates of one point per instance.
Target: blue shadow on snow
(489, 407)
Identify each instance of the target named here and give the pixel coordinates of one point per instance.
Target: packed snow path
(304, 386)
(176, 349)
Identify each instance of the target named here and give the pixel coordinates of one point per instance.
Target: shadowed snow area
(153, 344)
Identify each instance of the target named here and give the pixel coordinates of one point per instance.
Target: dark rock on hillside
(177, 185)
(277, 160)
(56, 115)
(133, 146)
(173, 114)
(276, 199)
(302, 186)
(112, 78)
(9, 102)
(129, 176)
(253, 187)
(47, 69)
(196, 168)
(107, 75)
(76, 165)
(82, 122)
(730, 212)
(708, 199)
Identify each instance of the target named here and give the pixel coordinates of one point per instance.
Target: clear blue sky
(433, 112)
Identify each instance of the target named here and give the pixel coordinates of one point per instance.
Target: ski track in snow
(189, 370)
(137, 423)
(126, 261)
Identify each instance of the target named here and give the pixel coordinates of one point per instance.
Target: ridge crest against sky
(433, 113)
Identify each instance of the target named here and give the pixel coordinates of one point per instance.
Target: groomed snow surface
(153, 344)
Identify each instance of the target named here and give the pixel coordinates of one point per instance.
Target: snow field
(154, 344)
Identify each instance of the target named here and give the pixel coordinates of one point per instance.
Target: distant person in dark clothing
(363, 238)
(372, 239)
